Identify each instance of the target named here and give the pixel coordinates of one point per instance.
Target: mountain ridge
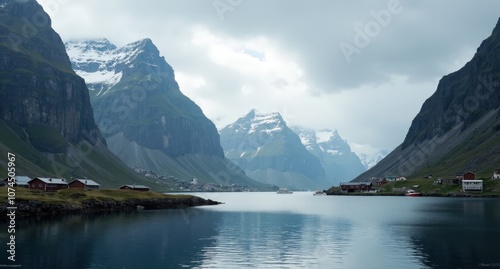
(341, 164)
(458, 127)
(270, 152)
(146, 119)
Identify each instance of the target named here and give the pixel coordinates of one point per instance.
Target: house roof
(135, 186)
(21, 180)
(87, 182)
(461, 173)
(472, 180)
(47, 180)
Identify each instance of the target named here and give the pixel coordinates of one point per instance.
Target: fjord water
(269, 230)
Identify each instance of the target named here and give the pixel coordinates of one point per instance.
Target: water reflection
(149, 239)
(459, 233)
(250, 239)
(262, 230)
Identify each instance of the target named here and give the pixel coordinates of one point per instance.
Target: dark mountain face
(134, 94)
(270, 152)
(462, 97)
(38, 86)
(458, 127)
(46, 118)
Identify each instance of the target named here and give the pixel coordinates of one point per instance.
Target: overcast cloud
(363, 67)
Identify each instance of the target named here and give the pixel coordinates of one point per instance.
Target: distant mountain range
(334, 153)
(46, 118)
(269, 151)
(144, 117)
(458, 127)
(369, 160)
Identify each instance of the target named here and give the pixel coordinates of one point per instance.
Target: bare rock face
(38, 86)
(458, 127)
(134, 94)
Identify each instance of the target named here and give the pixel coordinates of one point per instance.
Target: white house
(496, 175)
(472, 185)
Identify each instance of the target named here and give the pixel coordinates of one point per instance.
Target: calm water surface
(267, 230)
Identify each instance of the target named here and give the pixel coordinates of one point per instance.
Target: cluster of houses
(466, 179)
(54, 184)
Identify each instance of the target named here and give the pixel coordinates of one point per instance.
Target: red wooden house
(47, 184)
(355, 186)
(84, 184)
(466, 176)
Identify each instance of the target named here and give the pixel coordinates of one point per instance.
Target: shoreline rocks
(34, 208)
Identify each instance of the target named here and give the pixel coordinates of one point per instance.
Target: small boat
(319, 193)
(284, 191)
(412, 193)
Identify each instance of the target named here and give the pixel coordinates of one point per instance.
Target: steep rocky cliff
(46, 118)
(38, 86)
(134, 94)
(458, 127)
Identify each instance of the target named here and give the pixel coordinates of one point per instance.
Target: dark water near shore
(267, 230)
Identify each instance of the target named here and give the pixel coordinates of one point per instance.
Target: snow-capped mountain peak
(340, 163)
(370, 161)
(102, 65)
(258, 122)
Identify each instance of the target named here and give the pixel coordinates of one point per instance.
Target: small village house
(466, 176)
(390, 178)
(135, 187)
(84, 184)
(21, 181)
(47, 184)
(382, 181)
(496, 174)
(355, 186)
(472, 185)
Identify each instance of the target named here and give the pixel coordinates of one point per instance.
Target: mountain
(270, 152)
(458, 127)
(370, 161)
(46, 118)
(145, 118)
(334, 153)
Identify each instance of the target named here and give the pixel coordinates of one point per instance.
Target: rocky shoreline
(35, 208)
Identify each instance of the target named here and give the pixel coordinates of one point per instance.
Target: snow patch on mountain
(256, 121)
(101, 63)
(370, 161)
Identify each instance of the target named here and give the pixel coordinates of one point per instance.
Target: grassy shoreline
(34, 202)
(428, 188)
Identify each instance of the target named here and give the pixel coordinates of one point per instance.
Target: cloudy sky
(362, 67)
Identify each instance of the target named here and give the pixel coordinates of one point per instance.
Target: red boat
(412, 193)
